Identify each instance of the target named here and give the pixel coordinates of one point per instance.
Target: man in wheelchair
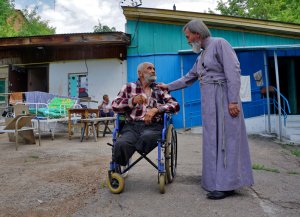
(143, 105)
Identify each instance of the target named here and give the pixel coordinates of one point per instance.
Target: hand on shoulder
(162, 86)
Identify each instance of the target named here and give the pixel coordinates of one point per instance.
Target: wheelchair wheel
(171, 153)
(174, 154)
(115, 183)
(162, 182)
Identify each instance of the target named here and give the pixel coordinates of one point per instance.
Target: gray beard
(196, 46)
(150, 79)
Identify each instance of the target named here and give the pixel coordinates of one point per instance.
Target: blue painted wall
(251, 62)
(168, 68)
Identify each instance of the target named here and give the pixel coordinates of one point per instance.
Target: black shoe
(217, 195)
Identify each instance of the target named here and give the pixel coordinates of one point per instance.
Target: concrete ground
(67, 178)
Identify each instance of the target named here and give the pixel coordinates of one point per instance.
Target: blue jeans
(110, 113)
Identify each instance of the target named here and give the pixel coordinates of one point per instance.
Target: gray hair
(197, 26)
(141, 66)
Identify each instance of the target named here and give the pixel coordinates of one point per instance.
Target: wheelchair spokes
(174, 153)
(171, 153)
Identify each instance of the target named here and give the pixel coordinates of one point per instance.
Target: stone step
(293, 124)
(293, 118)
(293, 130)
(295, 138)
(196, 130)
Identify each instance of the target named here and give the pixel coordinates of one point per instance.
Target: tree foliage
(103, 28)
(277, 10)
(6, 11)
(34, 25)
(31, 23)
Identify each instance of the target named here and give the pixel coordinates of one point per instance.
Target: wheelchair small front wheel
(162, 183)
(115, 183)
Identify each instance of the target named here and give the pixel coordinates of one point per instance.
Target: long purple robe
(226, 158)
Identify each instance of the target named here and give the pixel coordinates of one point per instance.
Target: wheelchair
(166, 161)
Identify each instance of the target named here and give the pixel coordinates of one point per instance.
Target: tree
(34, 25)
(6, 10)
(277, 10)
(16, 23)
(103, 28)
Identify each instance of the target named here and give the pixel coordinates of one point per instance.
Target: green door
(2, 89)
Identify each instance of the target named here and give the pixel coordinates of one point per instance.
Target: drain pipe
(278, 95)
(267, 89)
(182, 93)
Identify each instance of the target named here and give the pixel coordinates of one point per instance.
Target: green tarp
(57, 107)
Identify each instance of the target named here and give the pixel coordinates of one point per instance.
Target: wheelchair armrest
(167, 119)
(168, 114)
(120, 122)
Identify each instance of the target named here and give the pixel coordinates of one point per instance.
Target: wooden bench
(94, 124)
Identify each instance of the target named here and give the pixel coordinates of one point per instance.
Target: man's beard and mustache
(150, 78)
(196, 46)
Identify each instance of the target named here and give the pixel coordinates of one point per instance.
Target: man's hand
(149, 115)
(162, 86)
(234, 109)
(139, 99)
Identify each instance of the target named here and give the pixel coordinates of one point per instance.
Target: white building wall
(105, 76)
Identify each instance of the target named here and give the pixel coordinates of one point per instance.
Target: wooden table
(94, 123)
(84, 113)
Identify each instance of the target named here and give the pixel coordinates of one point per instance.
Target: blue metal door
(192, 95)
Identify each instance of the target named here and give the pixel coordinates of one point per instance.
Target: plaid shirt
(159, 99)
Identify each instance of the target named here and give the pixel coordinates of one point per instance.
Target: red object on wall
(81, 89)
